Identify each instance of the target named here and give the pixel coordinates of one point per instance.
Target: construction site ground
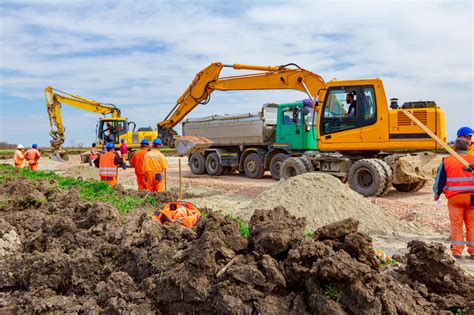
(233, 192)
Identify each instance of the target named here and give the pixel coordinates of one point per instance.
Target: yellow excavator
(363, 144)
(111, 128)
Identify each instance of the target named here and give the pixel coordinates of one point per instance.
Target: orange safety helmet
(183, 212)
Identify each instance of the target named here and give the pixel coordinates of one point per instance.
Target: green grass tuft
(308, 233)
(89, 190)
(331, 291)
(244, 228)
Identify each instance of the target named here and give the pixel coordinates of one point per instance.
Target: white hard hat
(20, 146)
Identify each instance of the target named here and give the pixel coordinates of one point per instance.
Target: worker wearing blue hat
(466, 133)
(32, 156)
(155, 165)
(137, 161)
(108, 164)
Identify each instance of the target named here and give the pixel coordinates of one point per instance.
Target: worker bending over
(19, 156)
(108, 164)
(466, 133)
(137, 161)
(93, 154)
(457, 183)
(124, 152)
(32, 156)
(155, 166)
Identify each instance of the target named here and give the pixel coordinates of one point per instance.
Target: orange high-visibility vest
(471, 150)
(457, 179)
(155, 162)
(137, 161)
(107, 167)
(183, 212)
(32, 155)
(18, 158)
(93, 154)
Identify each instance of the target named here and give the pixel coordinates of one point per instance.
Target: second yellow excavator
(111, 128)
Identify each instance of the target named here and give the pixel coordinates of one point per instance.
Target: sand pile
(324, 199)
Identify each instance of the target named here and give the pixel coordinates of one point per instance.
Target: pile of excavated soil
(73, 256)
(324, 199)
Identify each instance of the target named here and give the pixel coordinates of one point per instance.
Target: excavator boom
(54, 99)
(208, 80)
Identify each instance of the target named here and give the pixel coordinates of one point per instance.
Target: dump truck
(353, 132)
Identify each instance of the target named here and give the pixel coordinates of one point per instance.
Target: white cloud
(142, 55)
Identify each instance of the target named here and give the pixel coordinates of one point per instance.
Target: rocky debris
(76, 256)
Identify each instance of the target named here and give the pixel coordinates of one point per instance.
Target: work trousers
(141, 182)
(124, 159)
(152, 184)
(461, 211)
(111, 181)
(33, 165)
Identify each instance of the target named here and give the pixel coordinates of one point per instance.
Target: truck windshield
(308, 118)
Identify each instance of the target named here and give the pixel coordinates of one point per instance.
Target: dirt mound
(75, 256)
(324, 199)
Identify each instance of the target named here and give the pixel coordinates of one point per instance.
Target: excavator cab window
(335, 117)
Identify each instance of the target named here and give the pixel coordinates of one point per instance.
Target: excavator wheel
(307, 163)
(388, 176)
(275, 165)
(410, 187)
(292, 167)
(213, 165)
(367, 177)
(197, 164)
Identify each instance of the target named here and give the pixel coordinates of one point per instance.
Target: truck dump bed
(231, 130)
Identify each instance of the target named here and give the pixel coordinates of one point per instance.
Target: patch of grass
(331, 291)
(89, 190)
(244, 228)
(308, 233)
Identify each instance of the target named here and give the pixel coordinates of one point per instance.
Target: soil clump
(75, 256)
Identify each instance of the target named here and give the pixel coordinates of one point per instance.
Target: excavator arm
(208, 80)
(54, 100)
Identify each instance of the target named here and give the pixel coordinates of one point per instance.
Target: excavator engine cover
(183, 212)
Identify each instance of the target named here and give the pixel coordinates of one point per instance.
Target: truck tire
(213, 165)
(292, 167)
(253, 166)
(275, 165)
(388, 176)
(411, 187)
(307, 163)
(197, 164)
(367, 177)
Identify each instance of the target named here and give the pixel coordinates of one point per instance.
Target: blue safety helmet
(465, 131)
(122, 140)
(144, 141)
(109, 145)
(157, 141)
(34, 146)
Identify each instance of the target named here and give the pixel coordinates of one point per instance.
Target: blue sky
(142, 55)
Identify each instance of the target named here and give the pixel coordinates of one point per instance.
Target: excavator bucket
(59, 155)
(187, 145)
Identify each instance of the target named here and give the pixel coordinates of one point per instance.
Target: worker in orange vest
(457, 183)
(466, 133)
(155, 165)
(19, 156)
(108, 165)
(32, 156)
(93, 153)
(137, 161)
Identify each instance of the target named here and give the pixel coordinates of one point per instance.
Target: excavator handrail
(208, 80)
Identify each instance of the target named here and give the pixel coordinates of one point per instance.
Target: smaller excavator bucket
(187, 145)
(59, 156)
